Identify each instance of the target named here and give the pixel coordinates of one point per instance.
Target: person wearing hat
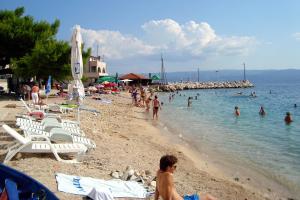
(288, 118)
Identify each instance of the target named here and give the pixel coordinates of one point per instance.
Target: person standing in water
(189, 101)
(288, 118)
(156, 106)
(262, 111)
(237, 111)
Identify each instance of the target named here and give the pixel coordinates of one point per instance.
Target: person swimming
(262, 111)
(189, 101)
(288, 118)
(237, 111)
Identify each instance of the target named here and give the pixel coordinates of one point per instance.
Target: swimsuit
(191, 197)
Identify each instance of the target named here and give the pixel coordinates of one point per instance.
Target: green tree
(31, 49)
(19, 34)
(50, 57)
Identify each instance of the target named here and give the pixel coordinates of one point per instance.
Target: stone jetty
(171, 87)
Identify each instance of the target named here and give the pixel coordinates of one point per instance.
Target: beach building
(94, 68)
(136, 79)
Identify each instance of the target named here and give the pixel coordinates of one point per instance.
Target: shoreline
(231, 168)
(225, 168)
(124, 136)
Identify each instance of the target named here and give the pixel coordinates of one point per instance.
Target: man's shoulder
(164, 174)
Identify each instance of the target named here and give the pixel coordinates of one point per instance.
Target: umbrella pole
(78, 115)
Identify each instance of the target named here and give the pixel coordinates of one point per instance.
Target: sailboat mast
(162, 74)
(244, 71)
(198, 75)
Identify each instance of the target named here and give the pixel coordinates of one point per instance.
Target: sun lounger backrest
(15, 134)
(28, 109)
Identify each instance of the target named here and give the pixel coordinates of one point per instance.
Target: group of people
(288, 117)
(141, 99)
(33, 91)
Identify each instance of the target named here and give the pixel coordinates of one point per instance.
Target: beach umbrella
(77, 67)
(48, 86)
(106, 78)
(99, 86)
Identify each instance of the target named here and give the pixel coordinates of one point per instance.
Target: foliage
(31, 48)
(84, 79)
(19, 34)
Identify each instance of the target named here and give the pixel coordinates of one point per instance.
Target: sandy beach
(125, 136)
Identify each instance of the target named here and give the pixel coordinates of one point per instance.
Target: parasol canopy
(106, 78)
(155, 77)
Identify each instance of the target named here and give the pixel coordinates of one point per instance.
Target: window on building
(93, 69)
(103, 70)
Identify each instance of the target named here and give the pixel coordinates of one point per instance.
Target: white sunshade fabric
(76, 56)
(76, 61)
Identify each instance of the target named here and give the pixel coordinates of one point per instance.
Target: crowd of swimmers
(140, 98)
(288, 117)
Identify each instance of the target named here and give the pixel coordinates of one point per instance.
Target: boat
(15, 185)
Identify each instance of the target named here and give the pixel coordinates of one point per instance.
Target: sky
(190, 34)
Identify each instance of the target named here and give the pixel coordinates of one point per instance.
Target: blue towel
(191, 197)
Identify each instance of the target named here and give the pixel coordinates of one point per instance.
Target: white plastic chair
(34, 144)
(60, 135)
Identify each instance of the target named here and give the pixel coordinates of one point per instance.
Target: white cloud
(184, 41)
(296, 36)
(115, 45)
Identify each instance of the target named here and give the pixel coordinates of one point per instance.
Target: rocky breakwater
(171, 87)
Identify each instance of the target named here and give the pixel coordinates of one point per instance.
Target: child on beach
(165, 187)
(156, 106)
(148, 100)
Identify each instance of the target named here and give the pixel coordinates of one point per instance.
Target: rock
(130, 172)
(153, 183)
(125, 176)
(18, 156)
(236, 179)
(147, 172)
(137, 173)
(115, 175)
(133, 177)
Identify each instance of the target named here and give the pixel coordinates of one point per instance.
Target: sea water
(265, 144)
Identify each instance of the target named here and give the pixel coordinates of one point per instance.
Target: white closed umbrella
(77, 66)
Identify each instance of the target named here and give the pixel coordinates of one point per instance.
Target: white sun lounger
(64, 123)
(30, 145)
(60, 135)
(48, 125)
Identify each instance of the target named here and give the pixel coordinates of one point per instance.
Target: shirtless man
(164, 180)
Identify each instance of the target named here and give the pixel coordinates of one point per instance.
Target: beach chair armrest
(38, 137)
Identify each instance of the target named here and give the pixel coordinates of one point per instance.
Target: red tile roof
(133, 76)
